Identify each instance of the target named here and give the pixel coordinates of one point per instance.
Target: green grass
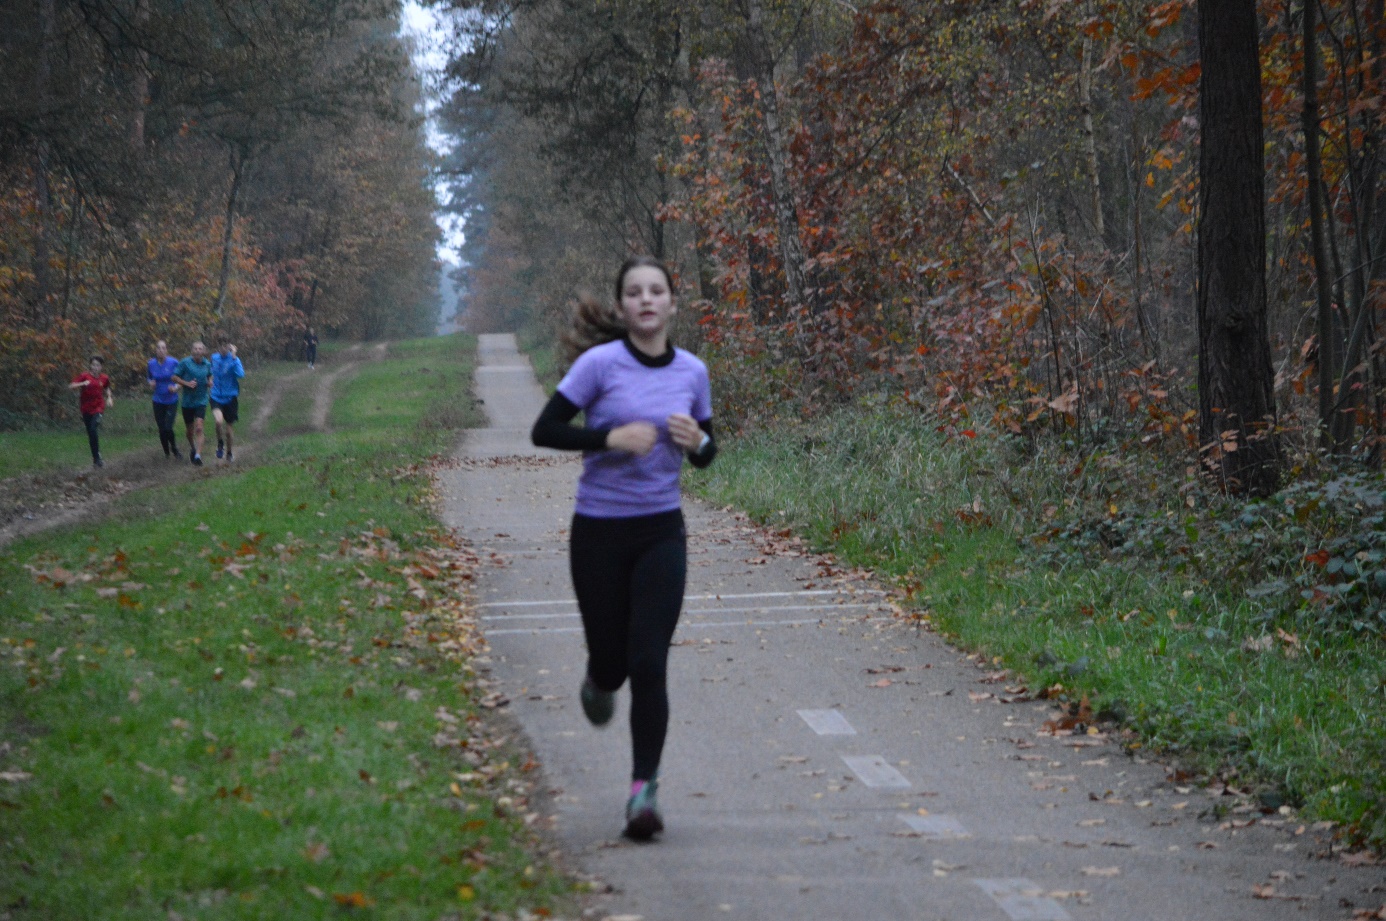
(125, 428)
(546, 357)
(255, 702)
(1166, 653)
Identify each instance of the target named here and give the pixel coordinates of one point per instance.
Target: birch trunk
(1090, 142)
(786, 213)
(237, 170)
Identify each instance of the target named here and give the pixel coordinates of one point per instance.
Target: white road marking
(875, 771)
(827, 722)
(787, 607)
(799, 594)
(1022, 900)
(935, 826)
(689, 625)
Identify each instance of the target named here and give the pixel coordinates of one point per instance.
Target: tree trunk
(43, 196)
(1090, 143)
(237, 169)
(139, 83)
(786, 213)
(1328, 359)
(1235, 375)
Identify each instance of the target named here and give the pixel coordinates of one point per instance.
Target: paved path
(826, 758)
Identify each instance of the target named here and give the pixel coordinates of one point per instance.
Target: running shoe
(221, 449)
(197, 460)
(599, 705)
(96, 462)
(177, 455)
(228, 457)
(643, 820)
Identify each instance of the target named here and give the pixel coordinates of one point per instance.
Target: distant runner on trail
(310, 347)
(647, 404)
(194, 374)
(165, 399)
(227, 372)
(94, 398)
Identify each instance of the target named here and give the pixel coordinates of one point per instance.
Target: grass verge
(1184, 659)
(257, 703)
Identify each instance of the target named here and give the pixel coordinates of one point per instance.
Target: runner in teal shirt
(194, 374)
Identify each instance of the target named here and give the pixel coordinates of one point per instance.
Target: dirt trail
(322, 396)
(36, 502)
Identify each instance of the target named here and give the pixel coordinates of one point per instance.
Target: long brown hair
(593, 322)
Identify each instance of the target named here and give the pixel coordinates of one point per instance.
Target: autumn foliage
(175, 171)
(996, 204)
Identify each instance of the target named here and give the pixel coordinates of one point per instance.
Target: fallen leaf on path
(883, 683)
(1102, 871)
(979, 696)
(1359, 859)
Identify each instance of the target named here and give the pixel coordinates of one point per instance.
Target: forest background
(946, 263)
(170, 170)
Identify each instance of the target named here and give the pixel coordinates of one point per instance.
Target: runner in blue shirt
(161, 368)
(227, 372)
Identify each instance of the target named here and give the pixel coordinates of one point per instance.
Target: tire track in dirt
(322, 397)
(34, 503)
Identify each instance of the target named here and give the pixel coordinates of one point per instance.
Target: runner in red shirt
(93, 398)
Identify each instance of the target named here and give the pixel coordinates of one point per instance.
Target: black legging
(629, 575)
(93, 423)
(165, 417)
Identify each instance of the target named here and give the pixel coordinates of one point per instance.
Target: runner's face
(199, 351)
(646, 301)
(95, 366)
(161, 350)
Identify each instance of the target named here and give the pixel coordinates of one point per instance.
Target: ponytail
(593, 323)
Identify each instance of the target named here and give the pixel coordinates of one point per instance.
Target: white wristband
(702, 445)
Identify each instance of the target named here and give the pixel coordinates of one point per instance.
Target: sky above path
(427, 29)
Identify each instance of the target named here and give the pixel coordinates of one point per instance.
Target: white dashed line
(875, 771)
(683, 626)
(799, 594)
(827, 722)
(695, 611)
(935, 826)
(1022, 900)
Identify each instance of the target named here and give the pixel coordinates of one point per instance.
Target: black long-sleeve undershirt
(554, 429)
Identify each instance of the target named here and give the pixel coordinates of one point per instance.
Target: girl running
(647, 405)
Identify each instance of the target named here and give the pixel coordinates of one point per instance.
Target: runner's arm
(553, 428)
(707, 450)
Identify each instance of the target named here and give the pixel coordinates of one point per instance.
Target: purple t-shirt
(613, 388)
